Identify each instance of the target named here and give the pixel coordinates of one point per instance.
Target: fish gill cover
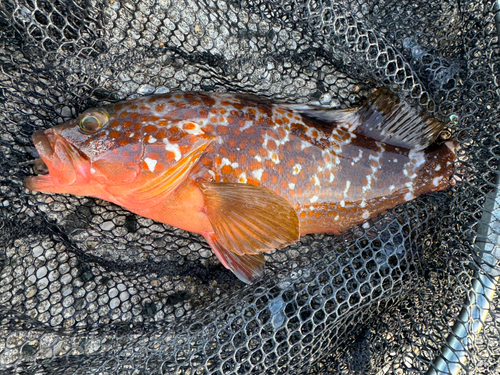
(87, 287)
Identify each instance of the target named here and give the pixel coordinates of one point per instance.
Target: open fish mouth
(42, 182)
(40, 168)
(56, 166)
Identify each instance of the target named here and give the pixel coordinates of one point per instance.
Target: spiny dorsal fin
(386, 118)
(383, 117)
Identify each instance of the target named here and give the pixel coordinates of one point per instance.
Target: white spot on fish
(391, 188)
(304, 144)
(195, 131)
(363, 203)
(342, 204)
(173, 147)
(436, 180)
(395, 160)
(212, 173)
(151, 164)
(247, 125)
(316, 180)
(347, 186)
(366, 225)
(296, 169)
(243, 178)
(408, 197)
(368, 185)
(131, 135)
(152, 140)
(366, 214)
(358, 158)
(314, 199)
(92, 170)
(291, 186)
(226, 161)
(258, 173)
(438, 168)
(417, 158)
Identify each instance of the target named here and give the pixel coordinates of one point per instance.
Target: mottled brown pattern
(332, 173)
(311, 163)
(165, 156)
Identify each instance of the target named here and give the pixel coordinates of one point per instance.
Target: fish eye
(93, 121)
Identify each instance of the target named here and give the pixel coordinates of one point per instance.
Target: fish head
(117, 148)
(84, 152)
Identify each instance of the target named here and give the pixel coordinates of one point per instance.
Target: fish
(248, 174)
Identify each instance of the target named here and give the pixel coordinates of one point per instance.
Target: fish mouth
(40, 168)
(58, 164)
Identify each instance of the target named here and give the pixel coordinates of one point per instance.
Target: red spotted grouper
(247, 174)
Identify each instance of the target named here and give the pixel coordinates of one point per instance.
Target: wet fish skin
(247, 174)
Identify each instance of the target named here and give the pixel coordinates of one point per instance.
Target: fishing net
(87, 287)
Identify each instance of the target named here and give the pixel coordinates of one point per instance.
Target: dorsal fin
(383, 117)
(386, 118)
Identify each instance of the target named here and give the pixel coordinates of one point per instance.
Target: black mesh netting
(87, 287)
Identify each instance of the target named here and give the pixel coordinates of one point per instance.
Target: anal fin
(247, 267)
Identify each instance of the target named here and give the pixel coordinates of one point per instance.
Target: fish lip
(43, 144)
(39, 183)
(56, 153)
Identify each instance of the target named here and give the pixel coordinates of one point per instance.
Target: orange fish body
(247, 174)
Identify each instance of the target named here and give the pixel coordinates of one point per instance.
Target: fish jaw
(67, 167)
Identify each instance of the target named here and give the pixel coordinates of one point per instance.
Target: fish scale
(210, 161)
(283, 148)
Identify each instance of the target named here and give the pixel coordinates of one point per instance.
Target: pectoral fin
(157, 189)
(249, 219)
